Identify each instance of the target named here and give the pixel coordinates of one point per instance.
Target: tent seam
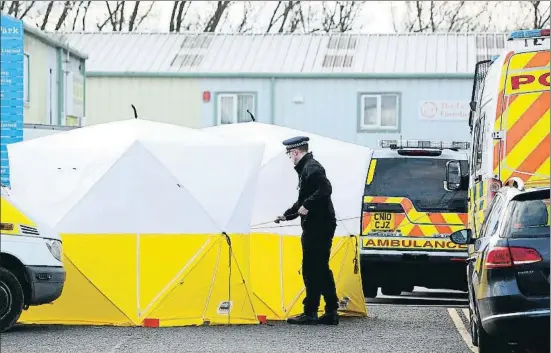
(99, 290)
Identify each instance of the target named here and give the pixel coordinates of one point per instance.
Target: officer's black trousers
(317, 276)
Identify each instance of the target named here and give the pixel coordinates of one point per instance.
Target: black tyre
(391, 290)
(487, 343)
(473, 328)
(11, 299)
(370, 290)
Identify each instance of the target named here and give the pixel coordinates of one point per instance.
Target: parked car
(508, 271)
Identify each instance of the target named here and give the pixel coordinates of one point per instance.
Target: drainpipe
(272, 100)
(83, 93)
(60, 110)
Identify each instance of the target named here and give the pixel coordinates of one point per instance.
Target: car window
(491, 222)
(529, 219)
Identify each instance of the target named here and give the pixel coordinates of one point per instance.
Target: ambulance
(407, 218)
(31, 268)
(509, 124)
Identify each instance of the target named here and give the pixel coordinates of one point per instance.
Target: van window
(419, 179)
(529, 219)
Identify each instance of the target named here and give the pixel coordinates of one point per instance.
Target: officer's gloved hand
(279, 219)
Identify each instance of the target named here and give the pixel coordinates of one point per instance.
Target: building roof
(116, 53)
(52, 40)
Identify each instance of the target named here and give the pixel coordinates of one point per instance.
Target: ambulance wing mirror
(453, 176)
(462, 237)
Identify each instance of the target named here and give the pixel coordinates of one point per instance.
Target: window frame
(27, 80)
(235, 95)
(362, 127)
(492, 212)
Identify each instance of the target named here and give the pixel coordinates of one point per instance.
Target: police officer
(315, 208)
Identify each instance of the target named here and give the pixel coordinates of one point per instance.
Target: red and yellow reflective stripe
(416, 223)
(525, 118)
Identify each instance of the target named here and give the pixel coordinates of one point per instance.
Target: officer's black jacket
(314, 194)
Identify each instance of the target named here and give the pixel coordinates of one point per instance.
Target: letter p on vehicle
(516, 81)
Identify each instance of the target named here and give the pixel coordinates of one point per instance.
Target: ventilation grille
(192, 51)
(342, 43)
(489, 45)
(337, 61)
(196, 42)
(186, 60)
(28, 230)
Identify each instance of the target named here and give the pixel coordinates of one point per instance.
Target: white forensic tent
(154, 220)
(275, 250)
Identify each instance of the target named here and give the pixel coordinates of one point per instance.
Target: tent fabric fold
(169, 226)
(275, 250)
(143, 236)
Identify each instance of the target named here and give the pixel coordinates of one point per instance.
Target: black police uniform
(318, 229)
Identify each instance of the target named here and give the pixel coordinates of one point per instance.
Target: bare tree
(340, 16)
(179, 12)
(537, 14)
(66, 7)
(47, 15)
(442, 16)
(245, 23)
(217, 16)
(30, 5)
(112, 18)
(75, 19)
(283, 12)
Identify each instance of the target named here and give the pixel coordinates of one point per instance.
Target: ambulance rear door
(405, 204)
(525, 117)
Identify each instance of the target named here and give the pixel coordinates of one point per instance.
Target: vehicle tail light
(503, 257)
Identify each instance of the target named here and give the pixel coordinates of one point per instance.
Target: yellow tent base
(134, 280)
(277, 283)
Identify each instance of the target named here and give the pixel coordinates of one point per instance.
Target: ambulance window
(481, 140)
(476, 134)
(421, 180)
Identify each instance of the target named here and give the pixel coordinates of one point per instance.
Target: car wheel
(11, 299)
(370, 289)
(487, 343)
(473, 327)
(391, 290)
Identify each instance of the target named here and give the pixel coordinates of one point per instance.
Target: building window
(26, 79)
(232, 107)
(379, 111)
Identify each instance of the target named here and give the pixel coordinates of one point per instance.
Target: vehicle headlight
(55, 248)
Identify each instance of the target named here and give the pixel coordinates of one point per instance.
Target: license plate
(382, 221)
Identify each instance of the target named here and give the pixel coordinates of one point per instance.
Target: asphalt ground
(424, 323)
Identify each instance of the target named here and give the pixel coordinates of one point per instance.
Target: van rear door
(405, 197)
(525, 117)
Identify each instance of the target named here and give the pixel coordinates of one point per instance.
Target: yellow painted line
(463, 332)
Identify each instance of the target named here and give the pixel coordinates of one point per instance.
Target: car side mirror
(462, 237)
(453, 176)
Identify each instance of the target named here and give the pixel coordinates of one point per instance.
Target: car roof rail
(515, 182)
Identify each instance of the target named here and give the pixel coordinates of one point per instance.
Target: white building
(355, 88)
(54, 81)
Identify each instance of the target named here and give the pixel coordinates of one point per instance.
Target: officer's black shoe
(329, 318)
(303, 319)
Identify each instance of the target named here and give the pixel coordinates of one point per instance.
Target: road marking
(462, 329)
(466, 312)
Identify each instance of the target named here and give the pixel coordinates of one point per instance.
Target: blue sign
(11, 89)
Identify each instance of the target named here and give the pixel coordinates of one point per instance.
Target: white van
(31, 268)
